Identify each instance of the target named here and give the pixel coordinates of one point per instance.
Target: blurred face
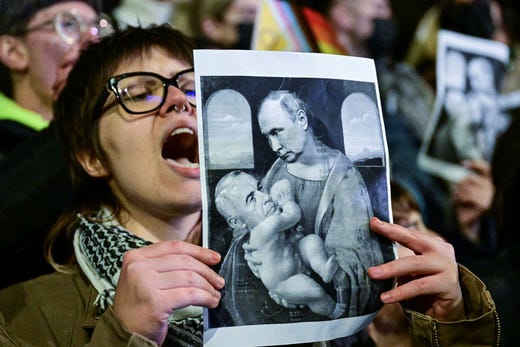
(357, 16)
(286, 137)
(152, 158)
(239, 12)
(411, 220)
(251, 205)
(242, 11)
(50, 58)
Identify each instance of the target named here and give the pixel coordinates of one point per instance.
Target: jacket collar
(10, 110)
(91, 314)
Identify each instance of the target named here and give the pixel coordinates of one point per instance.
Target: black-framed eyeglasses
(143, 92)
(71, 26)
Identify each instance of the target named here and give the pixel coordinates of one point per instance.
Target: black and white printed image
(468, 117)
(294, 167)
(289, 205)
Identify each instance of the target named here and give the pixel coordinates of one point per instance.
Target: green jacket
(480, 328)
(10, 110)
(58, 310)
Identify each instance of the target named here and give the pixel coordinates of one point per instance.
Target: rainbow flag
(280, 26)
(322, 31)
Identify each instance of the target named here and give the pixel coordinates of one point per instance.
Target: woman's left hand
(427, 273)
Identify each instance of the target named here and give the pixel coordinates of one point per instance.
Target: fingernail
(378, 221)
(374, 271)
(216, 298)
(385, 297)
(215, 257)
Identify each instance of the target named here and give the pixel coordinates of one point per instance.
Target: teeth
(182, 131)
(191, 166)
(184, 163)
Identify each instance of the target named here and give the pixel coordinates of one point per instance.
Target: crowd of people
(100, 192)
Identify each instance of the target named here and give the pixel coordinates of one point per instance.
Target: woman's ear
(13, 53)
(92, 165)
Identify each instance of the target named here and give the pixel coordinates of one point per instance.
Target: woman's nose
(175, 101)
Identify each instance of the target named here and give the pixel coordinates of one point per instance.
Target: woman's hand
(157, 279)
(427, 273)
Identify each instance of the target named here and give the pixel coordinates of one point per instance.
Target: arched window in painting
(228, 131)
(362, 134)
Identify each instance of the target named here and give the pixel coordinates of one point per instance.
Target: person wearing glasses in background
(129, 124)
(40, 40)
(136, 274)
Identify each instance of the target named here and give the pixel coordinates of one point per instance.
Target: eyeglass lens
(70, 27)
(145, 93)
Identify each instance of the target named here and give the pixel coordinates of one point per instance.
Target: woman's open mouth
(181, 147)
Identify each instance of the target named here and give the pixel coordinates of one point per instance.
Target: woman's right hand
(157, 279)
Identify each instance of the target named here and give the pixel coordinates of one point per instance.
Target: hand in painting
(252, 262)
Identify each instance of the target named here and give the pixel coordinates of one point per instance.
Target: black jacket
(35, 188)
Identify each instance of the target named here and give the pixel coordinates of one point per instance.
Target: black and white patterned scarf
(99, 250)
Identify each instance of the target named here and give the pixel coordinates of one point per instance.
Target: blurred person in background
(481, 18)
(224, 24)
(40, 40)
(473, 230)
(501, 271)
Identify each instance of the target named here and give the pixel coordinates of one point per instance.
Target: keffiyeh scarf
(99, 250)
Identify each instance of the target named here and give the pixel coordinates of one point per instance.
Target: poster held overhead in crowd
(469, 111)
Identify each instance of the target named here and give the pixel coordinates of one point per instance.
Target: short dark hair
(78, 107)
